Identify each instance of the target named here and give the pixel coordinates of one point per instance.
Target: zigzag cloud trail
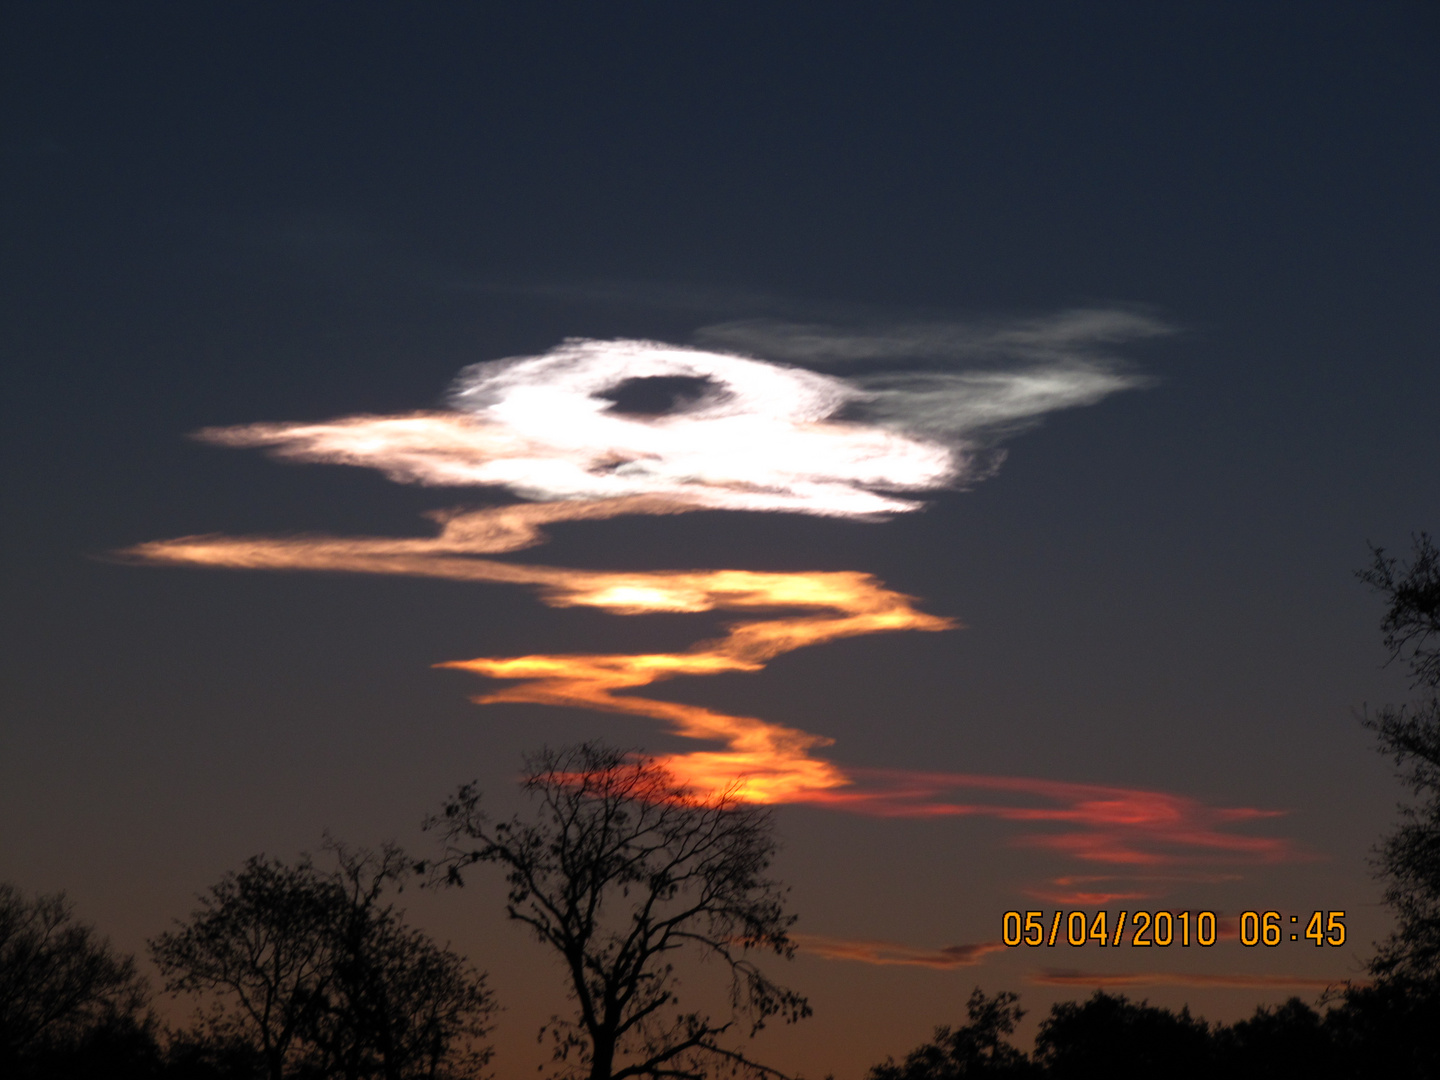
(769, 762)
(738, 434)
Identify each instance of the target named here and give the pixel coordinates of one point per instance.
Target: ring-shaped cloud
(736, 433)
(756, 436)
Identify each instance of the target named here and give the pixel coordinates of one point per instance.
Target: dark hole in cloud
(657, 395)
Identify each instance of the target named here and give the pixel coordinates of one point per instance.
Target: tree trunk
(602, 1060)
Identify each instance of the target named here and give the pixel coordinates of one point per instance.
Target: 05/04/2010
(1163, 928)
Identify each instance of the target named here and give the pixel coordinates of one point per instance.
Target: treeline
(1390, 1030)
(312, 975)
(295, 972)
(309, 974)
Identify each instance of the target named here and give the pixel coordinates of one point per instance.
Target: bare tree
(57, 978)
(622, 868)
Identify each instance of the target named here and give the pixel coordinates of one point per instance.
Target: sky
(957, 425)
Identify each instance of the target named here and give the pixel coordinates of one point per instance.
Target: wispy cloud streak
(962, 384)
(890, 953)
(1095, 823)
(1077, 336)
(1098, 890)
(1235, 981)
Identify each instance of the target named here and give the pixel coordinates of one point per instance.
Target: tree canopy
(323, 977)
(981, 1048)
(58, 979)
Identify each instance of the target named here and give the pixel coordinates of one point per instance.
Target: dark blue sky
(294, 212)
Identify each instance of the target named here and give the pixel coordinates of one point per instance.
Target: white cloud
(753, 435)
(965, 384)
(1070, 336)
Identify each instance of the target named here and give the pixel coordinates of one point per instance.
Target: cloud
(1099, 890)
(886, 953)
(1095, 823)
(1010, 374)
(759, 760)
(593, 430)
(770, 762)
(736, 433)
(1104, 979)
(1078, 336)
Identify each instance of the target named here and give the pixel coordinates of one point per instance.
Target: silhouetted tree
(1409, 858)
(119, 1047)
(622, 868)
(260, 942)
(397, 1006)
(1109, 1037)
(1390, 1030)
(322, 978)
(980, 1048)
(58, 981)
(203, 1053)
(1291, 1041)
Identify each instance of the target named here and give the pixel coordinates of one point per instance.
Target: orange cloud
(769, 762)
(757, 760)
(492, 531)
(887, 953)
(761, 761)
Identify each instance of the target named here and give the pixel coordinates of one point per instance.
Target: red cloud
(1101, 980)
(889, 952)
